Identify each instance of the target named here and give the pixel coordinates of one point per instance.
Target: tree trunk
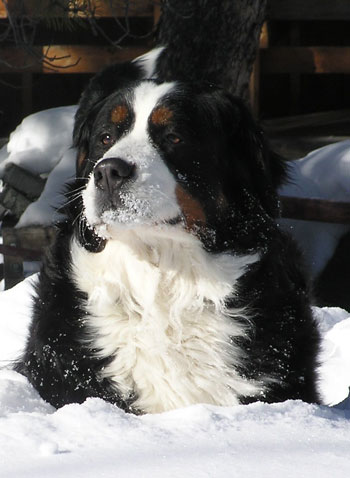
(214, 40)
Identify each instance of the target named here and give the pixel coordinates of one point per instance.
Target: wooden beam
(3, 13)
(21, 244)
(315, 210)
(23, 253)
(305, 60)
(289, 123)
(65, 58)
(101, 9)
(137, 8)
(308, 10)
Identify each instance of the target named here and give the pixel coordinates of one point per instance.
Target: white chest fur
(157, 306)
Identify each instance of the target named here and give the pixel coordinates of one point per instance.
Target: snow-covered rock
(40, 141)
(42, 144)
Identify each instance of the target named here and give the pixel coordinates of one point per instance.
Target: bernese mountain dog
(169, 282)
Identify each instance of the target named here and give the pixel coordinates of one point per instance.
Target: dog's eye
(174, 139)
(106, 139)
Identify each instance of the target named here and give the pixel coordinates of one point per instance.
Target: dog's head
(170, 155)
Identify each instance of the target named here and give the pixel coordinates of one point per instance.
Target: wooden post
(26, 239)
(27, 93)
(13, 265)
(294, 78)
(254, 83)
(156, 13)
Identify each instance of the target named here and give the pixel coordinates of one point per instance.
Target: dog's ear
(113, 78)
(262, 169)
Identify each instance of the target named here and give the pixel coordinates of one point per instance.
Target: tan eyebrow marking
(161, 115)
(119, 114)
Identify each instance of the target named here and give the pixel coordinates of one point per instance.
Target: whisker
(75, 189)
(74, 195)
(70, 201)
(78, 216)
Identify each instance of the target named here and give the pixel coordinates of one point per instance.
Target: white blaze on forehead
(136, 144)
(147, 96)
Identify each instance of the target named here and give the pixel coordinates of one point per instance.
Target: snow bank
(42, 144)
(15, 313)
(39, 142)
(97, 439)
(43, 211)
(334, 374)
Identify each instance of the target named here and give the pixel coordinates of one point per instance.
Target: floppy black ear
(264, 169)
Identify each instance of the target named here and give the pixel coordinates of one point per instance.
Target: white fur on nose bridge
(157, 306)
(146, 97)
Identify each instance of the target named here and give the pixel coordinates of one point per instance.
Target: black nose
(111, 173)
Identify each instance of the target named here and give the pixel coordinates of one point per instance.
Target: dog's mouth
(111, 222)
(175, 221)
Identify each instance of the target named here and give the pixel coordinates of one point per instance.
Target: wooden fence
(75, 58)
(291, 59)
(294, 59)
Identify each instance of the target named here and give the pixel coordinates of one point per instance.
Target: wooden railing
(295, 59)
(311, 209)
(73, 58)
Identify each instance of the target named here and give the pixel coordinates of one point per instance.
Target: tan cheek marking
(119, 114)
(81, 158)
(161, 116)
(190, 207)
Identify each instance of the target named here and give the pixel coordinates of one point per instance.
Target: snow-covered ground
(96, 439)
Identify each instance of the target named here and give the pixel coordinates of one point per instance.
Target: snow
(15, 307)
(42, 144)
(335, 356)
(96, 439)
(40, 140)
(43, 210)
